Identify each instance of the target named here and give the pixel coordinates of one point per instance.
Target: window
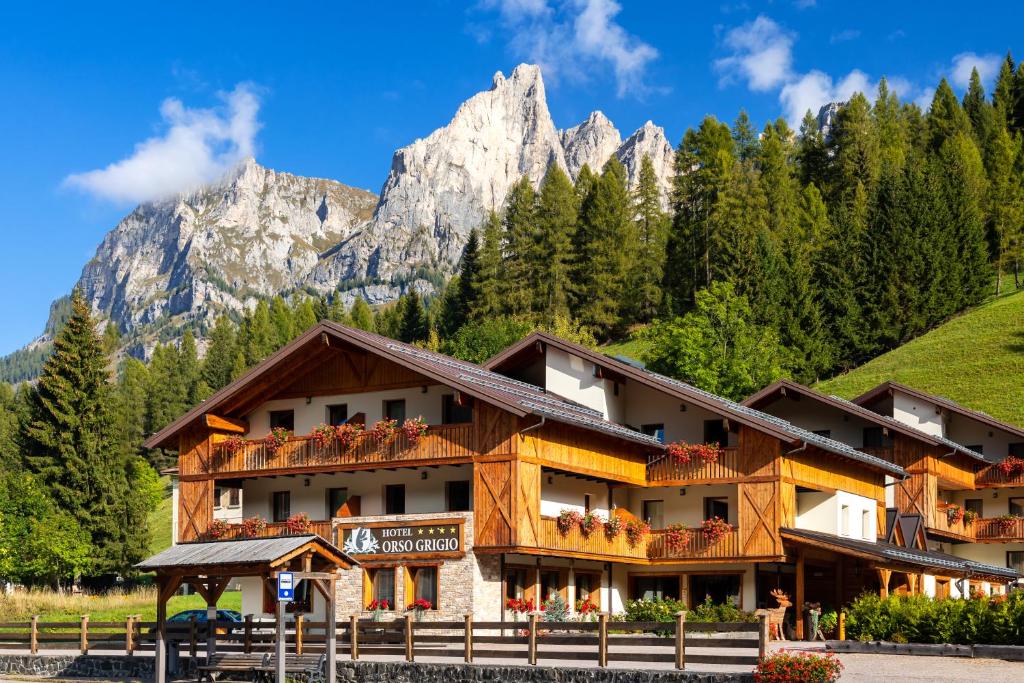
(382, 585)
(655, 430)
(974, 505)
(1015, 560)
(336, 499)
(217, 494)
(394, 499)
(827, 433)
(395, 410)
(516, 584)
(977, 448)
(844, 520)
(337, 414)
(715, 432)
(716, 507)
(587, 588)
(865, 525)
(454, 413)
(234, 497)
(586, 503)
(875, 437)
(550, 583)
(282, 419)
(423, 582)
(1017, 507)
(654, 513)
(1016, 450)
(721, 588)
(655, 587)
(456, 496)
(282, 505)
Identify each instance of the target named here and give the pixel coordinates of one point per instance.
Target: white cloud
(965, 62)
(844, 36)
(568, 39)
(762, 54)
(199, 145)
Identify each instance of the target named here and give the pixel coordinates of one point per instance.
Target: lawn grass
(111, 607)
(975, 359)
(630, 348)
(160, 520)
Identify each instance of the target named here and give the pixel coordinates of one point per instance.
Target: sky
(105, 105)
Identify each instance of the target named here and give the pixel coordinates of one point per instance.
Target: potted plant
(586, 609)
(346, 434)
(715, 529)
(253, 526)
(233, 444)
(684, 453)
(299, 523)
(277, 437)
(589, 523)
(567, 520)
(419, 607)
(383, 430)
(322, 436)
(677, 538)
(1010, 465)
(1006, 523)
(217, 529)
(414, 430)
(613, 526)
(954, 514)
(636, 530)
(969, 517)
(378, 607)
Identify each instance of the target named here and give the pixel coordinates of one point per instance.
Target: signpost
(285, 593)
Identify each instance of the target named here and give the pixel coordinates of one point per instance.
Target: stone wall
(117, 667)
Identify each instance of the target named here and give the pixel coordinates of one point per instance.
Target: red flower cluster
(253, 526)
(519, 606)
(420, 605)
(636, 530)
(684, 453)
(677, 537)
(322, 435)
(414, 430)
(1011, 465)
(715, 529)
(954, 514)
(567, 520)
(612, 527)
(787, 667)
(299, 523)
(589, 523)
(383, 430)
(233, 444)
(585, 606)
(1006, 523)
(378, 605)
(217, 529)
(275, 439)
(346, 434)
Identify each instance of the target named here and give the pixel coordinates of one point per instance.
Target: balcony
(1000, 530)
(323, 529)
(663, 469)
(699, 548)
(961, 530)
(651, 547)
(993, 477)
(441, 444)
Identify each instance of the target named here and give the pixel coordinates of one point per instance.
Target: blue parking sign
(285, 586)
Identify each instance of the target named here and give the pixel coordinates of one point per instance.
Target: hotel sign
(404, 539)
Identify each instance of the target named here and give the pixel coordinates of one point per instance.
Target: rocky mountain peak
(592, 142)
(649, 140)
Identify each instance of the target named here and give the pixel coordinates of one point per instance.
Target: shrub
(719, 612)
(555, 608)
(791, 667)
(653, 610)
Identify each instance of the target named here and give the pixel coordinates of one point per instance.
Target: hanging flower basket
(217, 529)
(347, 434)
(275, 439)
(1010, 465)
(969, 517)
(233, 444)
(677, 538)
(589, 523)
(715, 529)
(954, 515)
(322, 436)
(253, 526)
(636, 530)
(383, 431)
(612, 527)
(414, 430)
(568, 520)
(684, 453)
(299, 523)
(1006, 523)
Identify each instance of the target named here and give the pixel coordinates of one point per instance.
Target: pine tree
(188, 370)
(130, 406)
(890, 128)
(282, 320)
(414, 324)
(854, 149)
(1004, 97)
(111, 338)
(556, 214)
(336, 311)
(465, 294)
(70, 440)
(362, 316)
(1004, 203)
(585, 180)
(946, 117)
(778, 179)
(168, 395)
(963, 185)
(304, 316)
(489, 302)
(745, 138)
(519, 246)
(979, 111)
(811, 153)
(220, 354)
(647, 269)
(261, 337)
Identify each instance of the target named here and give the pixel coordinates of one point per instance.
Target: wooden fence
(601, 641)
(666, 470)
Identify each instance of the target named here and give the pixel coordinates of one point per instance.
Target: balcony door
(654, 513)
(716, 507)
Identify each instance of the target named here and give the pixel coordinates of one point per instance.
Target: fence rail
(601, 641)
(664, 468)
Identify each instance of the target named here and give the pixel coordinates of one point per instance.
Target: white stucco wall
(685, 509)
(994, 442)
(917, 413)
(568, 493)
(572, 377)
(819, 511)
(994, 502)
(645, 405)
(815, 416)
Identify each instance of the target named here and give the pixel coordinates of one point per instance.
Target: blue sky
(172, 93)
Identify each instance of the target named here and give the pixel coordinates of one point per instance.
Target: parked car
(223, 615)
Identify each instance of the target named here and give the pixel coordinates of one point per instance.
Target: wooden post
(883, 581)
(193, 637)
(602, 639)
(299, 619)
(468, 653)
(211, 627)
(129, 635)
(279, 645)
(798, 603)
(762, 635)
(160, 666)
(410, 652)
(353, 636)
(33, 638)
(531, 654)
(681, 640)
(842, 625)
(83, 640)
(331, 633)
(247, 637)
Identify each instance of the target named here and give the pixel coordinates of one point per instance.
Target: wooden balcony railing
(663, 468)
(962, 529)
(698, 547)
(441, 442)
(323, 529)
(994, 529)
(593, 544)
(992, 476)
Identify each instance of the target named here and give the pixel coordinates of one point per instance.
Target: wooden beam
(799, 602)
(883, 580)
(231, 425)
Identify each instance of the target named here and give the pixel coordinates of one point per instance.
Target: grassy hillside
(976, 359)
(160, 521)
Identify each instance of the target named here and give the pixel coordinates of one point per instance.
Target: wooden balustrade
(994, 529)
(962, 529)
(993, 477)
(441, 442)
(596, 543)
(664, 468)
(324, 529)
(698, 548)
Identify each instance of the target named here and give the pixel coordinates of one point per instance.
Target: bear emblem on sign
(360, 542)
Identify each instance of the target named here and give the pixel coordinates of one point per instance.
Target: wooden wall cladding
(528, 530)
(494, 519)
(495, 430)
(195, 509)
(917, 495)
(956, 471)
(759, 518)
(820, 469)
(787, 504)
(195, 448)
(578, 450)
(344, 370)
(758, 453)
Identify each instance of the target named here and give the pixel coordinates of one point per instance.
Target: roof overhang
(246, 557)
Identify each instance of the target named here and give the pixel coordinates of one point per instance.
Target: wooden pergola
(209, 567)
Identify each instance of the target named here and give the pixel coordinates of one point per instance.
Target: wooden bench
(312, 668)
(231, 664)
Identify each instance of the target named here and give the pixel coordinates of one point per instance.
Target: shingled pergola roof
(244, 556)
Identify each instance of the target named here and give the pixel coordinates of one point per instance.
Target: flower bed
(791, 667)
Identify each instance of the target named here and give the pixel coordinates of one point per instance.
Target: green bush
(727, 611)
(665, 610)
(919, 619)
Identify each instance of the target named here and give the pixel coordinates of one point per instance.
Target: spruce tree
(130, 406)
(282, 320)
(811, 153)
(220, 354)
(961, 180)
(304, 316)
(854, 149)
(1004, 97)
(262, 337)
(70, 441)
(946, 117)
(414, 326)
(189, 371)
(519, 249)
(979, 111)
(890, 129)
(466, 294)
(647, 269)
(362, 316)
(745, 138)
(552, 257)
(489, 303)
(336, 310)
(585, 180)
(1005, 205)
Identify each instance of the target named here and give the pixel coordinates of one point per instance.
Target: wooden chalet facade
(464, 511)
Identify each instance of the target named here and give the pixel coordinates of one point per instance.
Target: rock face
(593, 142)
(256, 232)
(649, 140)
(827, 118)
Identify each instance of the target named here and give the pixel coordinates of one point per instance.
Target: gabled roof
(785, 386)
(209, 555)
(929, 559)
(872, 395)
(516, 397)
(763, 422)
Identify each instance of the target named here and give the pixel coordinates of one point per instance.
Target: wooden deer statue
(777, 615)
